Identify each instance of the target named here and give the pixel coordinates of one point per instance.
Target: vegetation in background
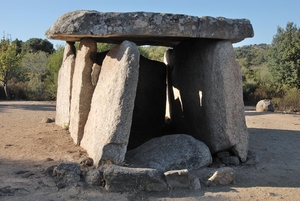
(23, 68)
(29, 70)
(153, 52)
(9, 63)
(53, 66)
(273, 71)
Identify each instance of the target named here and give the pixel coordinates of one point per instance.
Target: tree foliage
(272, 71)
(284, 56)
(53, 66)
(34, 45)
(102, 47)
(153, 52)
(34, 65)
(9, 61)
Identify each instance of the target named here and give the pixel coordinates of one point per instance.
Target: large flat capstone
(146, 27)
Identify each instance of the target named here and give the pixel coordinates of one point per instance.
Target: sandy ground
(28, 147)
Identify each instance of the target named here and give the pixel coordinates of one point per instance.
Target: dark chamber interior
(148, 119)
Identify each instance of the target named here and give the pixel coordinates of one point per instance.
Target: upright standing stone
(150, 103)
(210, 106)
(82, 89)
(107, 129)
(64, 89)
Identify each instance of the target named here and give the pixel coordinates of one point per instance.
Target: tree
(34, 45)
(19, 44)
(9, 61)
(153, 52)
(53, 66)
(102, 47)
(284, 56)
(35, 67)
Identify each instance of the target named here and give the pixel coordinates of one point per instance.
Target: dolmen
(114, 103)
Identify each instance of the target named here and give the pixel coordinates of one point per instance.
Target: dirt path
(28, 147)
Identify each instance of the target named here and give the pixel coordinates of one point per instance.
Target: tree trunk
(6, 91)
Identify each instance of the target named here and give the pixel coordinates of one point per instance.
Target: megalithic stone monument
(202, 77)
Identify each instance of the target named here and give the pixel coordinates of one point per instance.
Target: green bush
(290, 100)
(248, 92)
(282, 98)
(17, 90)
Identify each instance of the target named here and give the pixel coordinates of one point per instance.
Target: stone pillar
(108, 126)
(64, 89)
(82, 89)
(207, 81)
(150, 103)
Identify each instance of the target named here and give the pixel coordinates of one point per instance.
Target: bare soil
(28, 147)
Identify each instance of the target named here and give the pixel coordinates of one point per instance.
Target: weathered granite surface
(119, 179)
(107, 129)
(82, 88)
(264, 105)
(146, 27)
(64, 89)
(208, 97)
(170, 152)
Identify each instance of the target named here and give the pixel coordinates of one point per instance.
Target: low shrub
(290, 101)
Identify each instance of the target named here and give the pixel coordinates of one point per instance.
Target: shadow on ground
(39, 106)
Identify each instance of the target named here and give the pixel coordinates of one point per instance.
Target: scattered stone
(49, 182)
(195, 183)
(48, 120)
(252, 159)
(21, 191)
(291, 111)
(108, 126)
(68, 172)
(120, 179)
(223, 154)
(264, 105)
(178, 178)
(94, 177)
(7, 191)
(49, 170)
(87, 161)
(230, 160)
(217, 163)
(61, 184)
(170, 152)
(223, 176)
(49, 159)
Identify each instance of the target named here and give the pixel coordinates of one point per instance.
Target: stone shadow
(27, 106)
(279, 159)
(254, 113)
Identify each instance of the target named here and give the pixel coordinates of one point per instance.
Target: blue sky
(24, 19)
